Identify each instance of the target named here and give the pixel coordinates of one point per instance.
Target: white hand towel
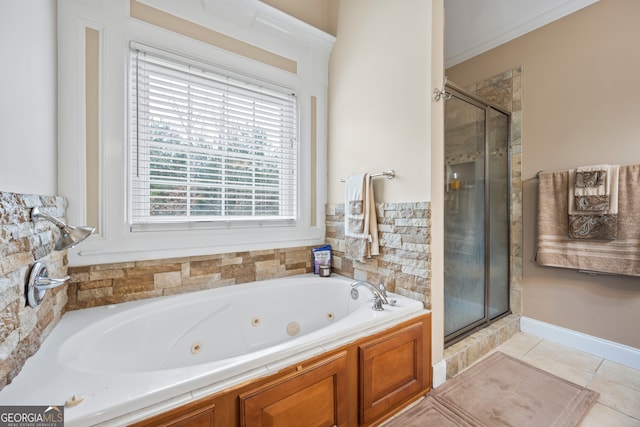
(360, 221)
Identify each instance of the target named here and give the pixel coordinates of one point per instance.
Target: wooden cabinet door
(313, 396)
(196, 414)
(392, 370)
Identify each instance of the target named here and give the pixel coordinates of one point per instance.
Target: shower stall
(476, 216)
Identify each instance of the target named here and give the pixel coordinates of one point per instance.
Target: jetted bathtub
(128, 361)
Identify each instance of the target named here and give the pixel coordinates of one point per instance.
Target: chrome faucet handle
(382, 288)
(43, 283)
(39, 282)
(377, 303)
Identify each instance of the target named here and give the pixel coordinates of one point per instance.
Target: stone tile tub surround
(404, 263)
(22, 243)
(105, 284)
(161, 373)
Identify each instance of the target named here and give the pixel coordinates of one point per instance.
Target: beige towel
(360, 221)
(556, 249)
(593, 202)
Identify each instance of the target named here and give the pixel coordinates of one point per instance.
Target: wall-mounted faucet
(39, 282)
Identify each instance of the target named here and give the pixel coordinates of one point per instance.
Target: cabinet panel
(196, 414)
(201, 419)
(392, 370)
(314, 396)
(361, 383)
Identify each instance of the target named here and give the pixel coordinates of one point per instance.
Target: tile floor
(618, 385)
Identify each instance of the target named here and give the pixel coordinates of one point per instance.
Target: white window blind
(208, 145)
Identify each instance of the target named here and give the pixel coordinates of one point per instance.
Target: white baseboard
(439, 373)
(610, 350)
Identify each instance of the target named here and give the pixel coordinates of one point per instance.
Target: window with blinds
(207, 144)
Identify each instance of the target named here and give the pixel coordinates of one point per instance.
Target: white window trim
(268, 29)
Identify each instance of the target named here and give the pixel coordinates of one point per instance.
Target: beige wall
(387, 58)
(580, 107)
(379, 103)
(28, 154)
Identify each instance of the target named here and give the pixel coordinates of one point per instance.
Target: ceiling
(475, 26)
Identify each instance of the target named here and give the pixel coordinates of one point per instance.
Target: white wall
(28, 149)
(246, 40)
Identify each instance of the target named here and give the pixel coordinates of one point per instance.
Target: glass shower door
(476, 217)
(464, 216)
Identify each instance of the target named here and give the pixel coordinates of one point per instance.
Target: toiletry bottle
(455, 182)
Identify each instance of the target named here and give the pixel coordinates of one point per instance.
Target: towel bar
(390, 174)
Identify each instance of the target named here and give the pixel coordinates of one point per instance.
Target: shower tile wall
(22, 242)
(503, 90)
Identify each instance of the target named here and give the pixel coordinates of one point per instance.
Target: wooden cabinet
(359, 384)
(196, 414)
(392, 370)
(313, 396)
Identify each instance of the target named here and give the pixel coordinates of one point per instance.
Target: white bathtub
(132, 360)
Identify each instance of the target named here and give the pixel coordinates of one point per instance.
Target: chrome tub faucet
(379, 294)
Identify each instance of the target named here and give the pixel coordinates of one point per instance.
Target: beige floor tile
(569, 356)
(618, 385)
(617, 396)
(518, 345)
(552, 365)
(603, 416)
(411, 405)
(621, 374)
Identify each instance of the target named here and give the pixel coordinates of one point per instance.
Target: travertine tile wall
(96, 285)
(22, 242)
(404, 263)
